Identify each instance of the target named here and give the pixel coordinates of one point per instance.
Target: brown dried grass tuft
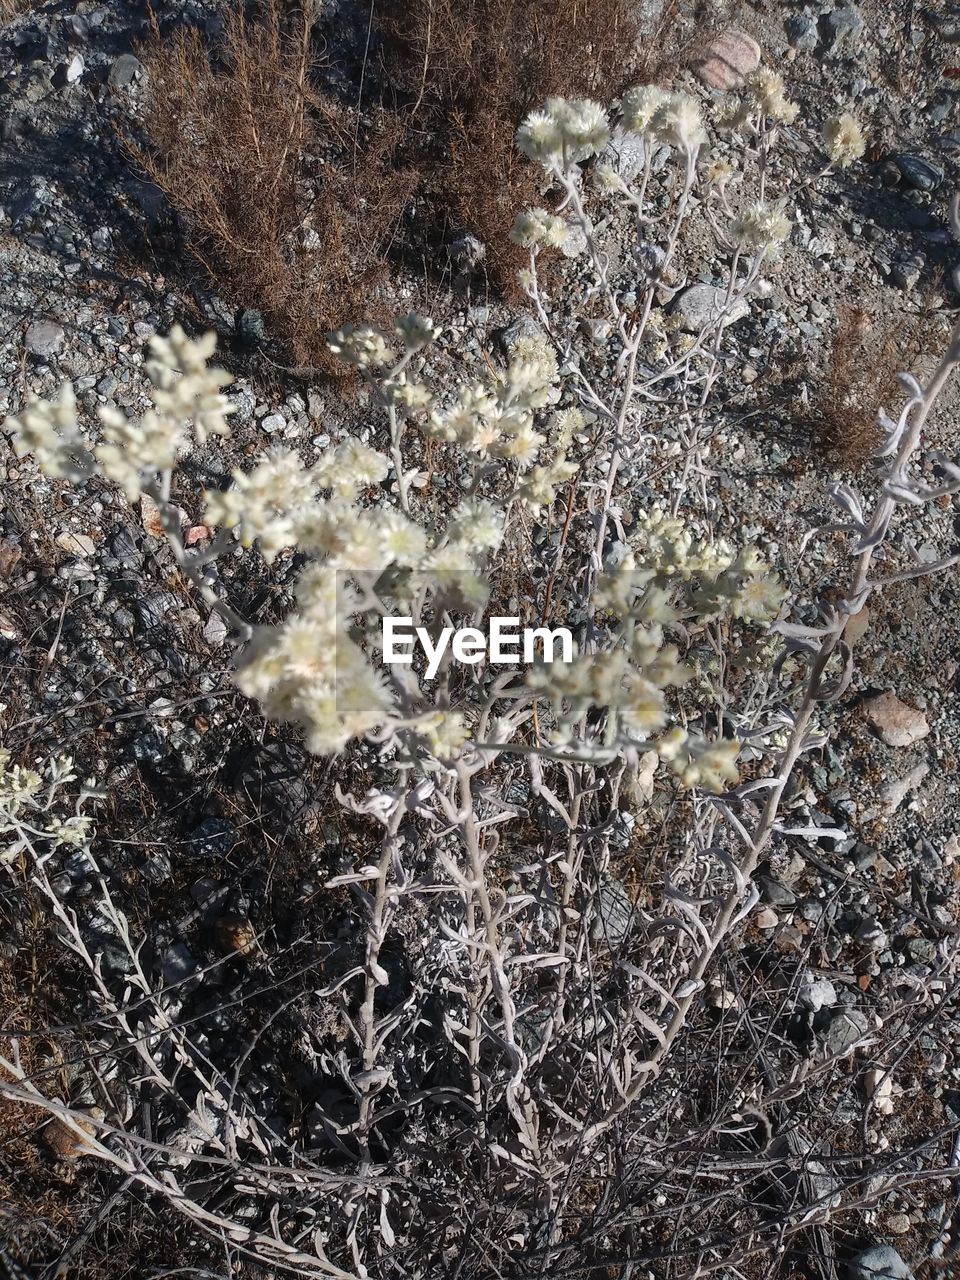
(289, 208)
(467, 71)
(861, 378)
(11, 8)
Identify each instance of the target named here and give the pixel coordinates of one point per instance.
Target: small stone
(841, 27)
(766, 918)
(918, 173)
(273, 423)
(150, 516)
(818, 993)
(906, 275)
(250, 326)
(44, 339)
(774, 893)
(846, 1027)
(898, 1224)
(801, 32)
(857, 625)
(124, 71)
(881, 1262)
(74, 69)
(728, 60)
(215, 632)
(921, 951)
(64, 1141)
(235, 933)
(78, 544)
(701, 305)
(178, 964)
(898, 724)
(893, 793)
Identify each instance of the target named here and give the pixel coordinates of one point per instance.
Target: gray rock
(178, 963)
(250, 326)
(215, 631)
(159, 606)
(613, 913)
(627, 153)
(921, 950)
(44, 339)
(273, 423)
(872, 934)
(842, 27)
(881, 1262)
(918, 173)
(801, 32)
(817, 993)
(701, 305)
(774, 893)
(845, 1028)
(124, 71)
(905, 275)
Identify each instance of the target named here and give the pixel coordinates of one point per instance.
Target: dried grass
(287, 210)
(860, 380)
(467, 71)
(11, 8)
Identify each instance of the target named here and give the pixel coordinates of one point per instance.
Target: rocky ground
(214, 824)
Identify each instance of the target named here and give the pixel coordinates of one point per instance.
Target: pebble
(918, 173)
(774, 893)
(801, 32)
(893, 793)
(215, 631)
(898, 724)
(844, 26)
(846, 1027)
(44, 338)
(273, 423)
(728, 60)
(699, 306)
(818, 993)
(124, 71)
(881, 1262)
(905, 275)
(78, 544)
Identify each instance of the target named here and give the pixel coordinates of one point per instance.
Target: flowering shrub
(553, 1021)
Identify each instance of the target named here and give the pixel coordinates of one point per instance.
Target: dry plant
(859, 380)
(10, 8)
(287, 206)
(468, 71)
(518, 1068)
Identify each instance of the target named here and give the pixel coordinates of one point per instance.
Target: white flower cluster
(765, 96)
(759, 229)
(494, 418)
(671, 118)
(538, 229)
(699, 763)
(48, 429)
(185, 393)
(26, 798)
(261, 504)
(564, 133)
(310, 672)
(629, 685)
(369, 347)
(538, 487)
(844, 140)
